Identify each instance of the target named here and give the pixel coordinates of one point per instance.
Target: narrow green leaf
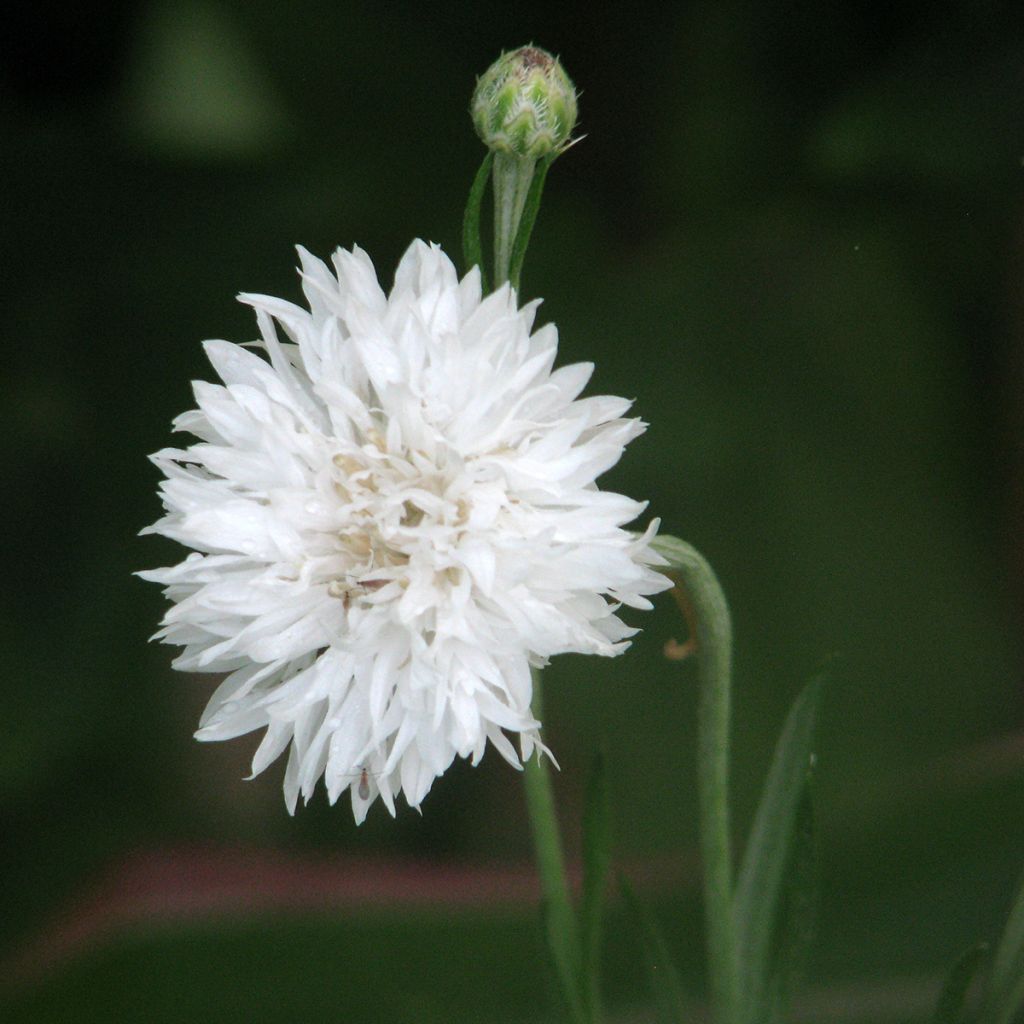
(1006, 986)
(668, 992)
(530, 211)
(770, 850)
(597, 843)
(472, 248)
(950, 1008)
(794, 927)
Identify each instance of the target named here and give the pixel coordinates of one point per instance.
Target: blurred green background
(795, 233)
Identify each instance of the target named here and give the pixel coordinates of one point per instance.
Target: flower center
(396, 515)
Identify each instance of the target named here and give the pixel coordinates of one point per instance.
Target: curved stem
(703, 604)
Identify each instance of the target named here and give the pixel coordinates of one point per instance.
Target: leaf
(1006, 985)
(472, 250)
(950, 1008)
(794, 927)
(668, 991)
(526, 222)
(597, 843)
(769, 854)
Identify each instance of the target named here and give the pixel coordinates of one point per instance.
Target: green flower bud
(525, 104)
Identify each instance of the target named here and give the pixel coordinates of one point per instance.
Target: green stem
(527, 219)
(560, 920)
(512, 176)
(703, 603)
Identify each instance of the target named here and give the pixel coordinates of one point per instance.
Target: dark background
(794, 232)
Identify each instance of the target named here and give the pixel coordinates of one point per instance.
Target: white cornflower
(393, 519)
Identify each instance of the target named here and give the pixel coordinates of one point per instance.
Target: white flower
(393, 519)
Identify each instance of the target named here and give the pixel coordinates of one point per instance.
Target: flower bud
(525, 104)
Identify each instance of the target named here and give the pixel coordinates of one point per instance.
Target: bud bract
(525, 104)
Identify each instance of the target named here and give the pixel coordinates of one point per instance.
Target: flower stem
(560, 920)
(512, 176)
(703, 604)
